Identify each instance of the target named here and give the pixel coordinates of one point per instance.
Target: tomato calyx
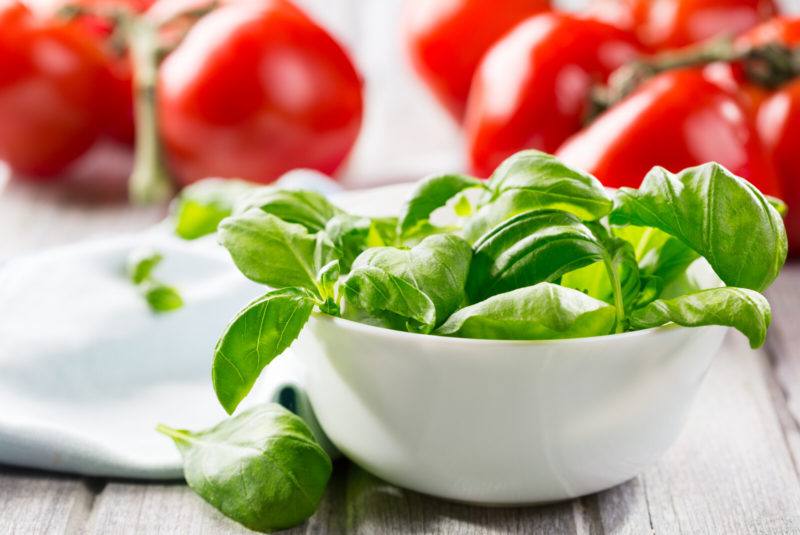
(768, 65)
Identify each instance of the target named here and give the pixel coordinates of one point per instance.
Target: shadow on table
(374, 506)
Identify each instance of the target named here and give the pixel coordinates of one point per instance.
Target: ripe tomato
(664, 24)
(778, 125)
(532, 88)
(677, 119)
(254, 90)
(51, 82)
(446, 40)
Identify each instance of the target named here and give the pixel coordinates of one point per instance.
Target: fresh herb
(540, 251)
(159, 296)
(544, 311)
(262, 468)
(200, 207)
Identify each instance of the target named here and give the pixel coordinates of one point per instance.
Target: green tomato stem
(151, 181)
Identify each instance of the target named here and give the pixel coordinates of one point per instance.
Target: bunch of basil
(539, 251)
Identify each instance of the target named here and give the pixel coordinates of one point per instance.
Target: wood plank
(133, 507)
(374, 506)
(38, 502)
(731, 470)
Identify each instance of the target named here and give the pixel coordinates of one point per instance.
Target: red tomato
(254, 90)
(678, 119)
(779, 127)
(446, 40)
(664, 24)
(51, 82)
(532, 88)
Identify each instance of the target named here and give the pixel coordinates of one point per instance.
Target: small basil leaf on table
(740, 308)
(258, 334)
(307, 208)
(541, 312)
(720, 216)
(201, 206)
(161, 297)
(436, 268)
(529, 248)
(533, 180)
(261, 468)
(141, 264)
(431, 193)
(269, 250)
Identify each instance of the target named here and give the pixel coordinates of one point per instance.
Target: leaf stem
(179, 435)
(617, 287)
(150, 181)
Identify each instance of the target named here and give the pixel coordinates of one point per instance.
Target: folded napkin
(87, 370)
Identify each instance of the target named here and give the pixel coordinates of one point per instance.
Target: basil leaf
(532, 247)
(161, 297)
(778, 204)
(349, 236)
(377, 297)
(659, 254)
(594, 279)
(742, 309)
(437, 268)
(201, 206)
(720, 216)
(541, 312)
(533, 180)
(270, 251)
(258, 334)
(141, 264)
(431, 193)
(306, 208)
(262, 468)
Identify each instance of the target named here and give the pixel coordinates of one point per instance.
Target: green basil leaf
(779, 205)
(720, 216)
(437, 267)
(383, 232)
(258, 334)
(201, 206)
(659, 254)
(262, 468)
(349, 236)
(431, 193)
(161, 297)
(532, 247)
(377, 297)
(740, 308)
(270, 251)
(141, 264)
(594, 279)
(302, 207)
(533, 180)
(541, 312)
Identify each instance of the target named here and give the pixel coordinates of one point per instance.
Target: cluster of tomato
(242, 88)
(527, 77)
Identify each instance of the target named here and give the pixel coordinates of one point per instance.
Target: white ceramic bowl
(502, 422)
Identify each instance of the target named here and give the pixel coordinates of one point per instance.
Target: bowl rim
(355, 326)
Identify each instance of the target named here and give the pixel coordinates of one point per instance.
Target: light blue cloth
(87, 370)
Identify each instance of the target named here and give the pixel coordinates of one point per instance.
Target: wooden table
(733, 470)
